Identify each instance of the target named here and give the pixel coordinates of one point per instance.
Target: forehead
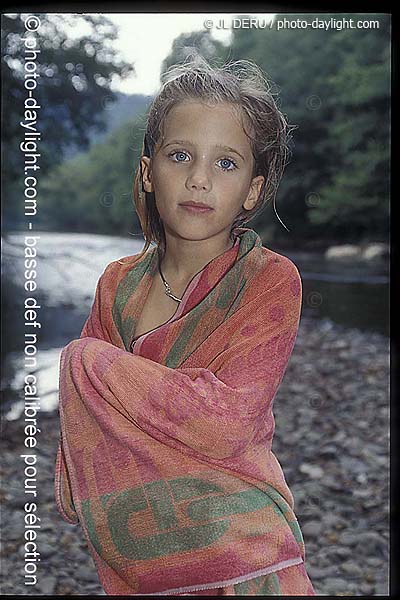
(201, 121)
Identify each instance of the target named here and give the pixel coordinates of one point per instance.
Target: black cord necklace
(167, 286)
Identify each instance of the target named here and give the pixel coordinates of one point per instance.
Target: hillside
(123, 110)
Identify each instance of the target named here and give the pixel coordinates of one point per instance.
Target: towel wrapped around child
(165, 453)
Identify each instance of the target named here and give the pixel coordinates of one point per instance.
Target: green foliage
(335, 86)
(73, 90)
(93, 191)
(355, 199)
(202, 41)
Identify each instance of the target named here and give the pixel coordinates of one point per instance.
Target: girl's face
(205, 156)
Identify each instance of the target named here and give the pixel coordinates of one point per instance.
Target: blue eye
(178, 152)
(228, 160)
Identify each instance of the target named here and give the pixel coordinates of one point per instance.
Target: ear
(145, 162)
(254, 192)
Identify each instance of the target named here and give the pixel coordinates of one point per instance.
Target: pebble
(334, 520)
(47, 585)
(322, 572)
(46, 550)
(373, 561)
(86, 574)
(367, 589)
(335, 584)
(375, 541)
(312, 529)
(348, 538)
(334, 454)
(352, 568)
(341, 551)
(314, 471)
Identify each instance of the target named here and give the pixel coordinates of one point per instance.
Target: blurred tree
(202, 41)
(93, 191)
(355, 200)
(73, 90)
(335, 86)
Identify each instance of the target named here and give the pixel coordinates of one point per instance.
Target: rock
(65, 589)
(343, 252)
(342, 551)
(67, 539)
(333, 520)
(13, 534)
(332, 483)
(371, 502)
(353, 465)
(312, 529)
(332, 536)
(86, 573)
(339, 437)
(313, 471)
(352, 568)
(375, 251)
(367, 589)
(335, 584)
(373, 561)
(348, 538)
(362, 493)
(329, 450)
(46, 584)
(46, 550)
(372, 543)
(322, 573)
(18, 499)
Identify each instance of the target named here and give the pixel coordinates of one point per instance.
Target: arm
(62, 487)
(93, 325)
(217, 411)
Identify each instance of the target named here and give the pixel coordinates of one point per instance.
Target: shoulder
(116, 270)
(281, 287)
(125, 263)
(278, 268)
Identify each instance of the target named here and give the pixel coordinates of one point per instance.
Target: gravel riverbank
(331, 438)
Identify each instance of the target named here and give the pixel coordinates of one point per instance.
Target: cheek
(166, 180)
(236, 189)
(227, 184)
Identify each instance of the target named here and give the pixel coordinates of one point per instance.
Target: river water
(70, 264)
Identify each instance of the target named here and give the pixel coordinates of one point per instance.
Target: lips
(198, 205)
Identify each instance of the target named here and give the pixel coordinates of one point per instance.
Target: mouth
(196, 207)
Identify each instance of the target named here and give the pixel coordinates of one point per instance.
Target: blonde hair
(240, 83)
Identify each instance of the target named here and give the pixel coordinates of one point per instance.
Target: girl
(166, 398)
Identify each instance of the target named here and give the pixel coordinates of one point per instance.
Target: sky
(146, 39)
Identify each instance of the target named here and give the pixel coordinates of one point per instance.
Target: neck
(184, 258)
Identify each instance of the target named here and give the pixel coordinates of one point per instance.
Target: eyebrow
(220, 146)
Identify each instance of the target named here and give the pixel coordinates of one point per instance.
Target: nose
(199, 178)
